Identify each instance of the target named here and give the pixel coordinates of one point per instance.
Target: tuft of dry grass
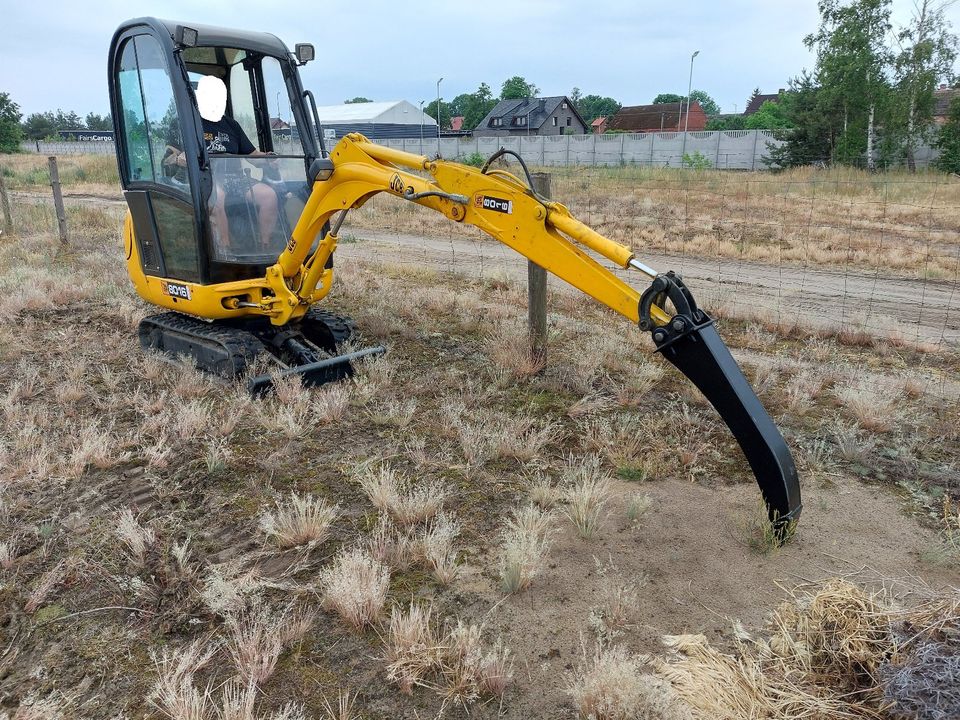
(411, 646)
(390, 545)
(391, 492)
(544, 493)
(299, 520)
(618, 602)
(174, 693)
(341, 708)
(508, 347)
(524, 547)
(254, 642)
(587, 494)
(355, 586)
(437, 547)
(874, 408)
(44, 586)
(610, 684)
(136, 538)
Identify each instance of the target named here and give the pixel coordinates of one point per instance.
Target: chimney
(541, 105)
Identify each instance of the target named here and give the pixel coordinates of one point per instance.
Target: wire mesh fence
(869, 258)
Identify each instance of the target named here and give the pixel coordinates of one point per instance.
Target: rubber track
(341, 327)
(239, 345)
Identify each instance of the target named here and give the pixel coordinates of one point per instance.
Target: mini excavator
(235, 288)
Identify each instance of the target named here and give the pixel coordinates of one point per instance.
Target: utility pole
(421, 127)
(683, 151)
(438, 115)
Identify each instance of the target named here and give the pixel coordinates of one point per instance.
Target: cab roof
(211, 35)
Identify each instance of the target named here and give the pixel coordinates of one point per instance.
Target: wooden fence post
(537, 288)
(58, 198)
(5, 202)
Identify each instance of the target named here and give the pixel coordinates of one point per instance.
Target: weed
(587, 494)
(524, 547)
(299, 520)
(412, 648)
(639, 503)
(355, 586)
(393, 493)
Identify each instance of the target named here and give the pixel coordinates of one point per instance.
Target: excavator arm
(508, 209)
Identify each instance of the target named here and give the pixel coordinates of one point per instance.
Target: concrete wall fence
(724, 149)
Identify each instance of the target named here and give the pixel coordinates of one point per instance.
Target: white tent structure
(376, 120)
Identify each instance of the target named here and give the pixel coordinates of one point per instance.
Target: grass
(226, 525)
(299, 520)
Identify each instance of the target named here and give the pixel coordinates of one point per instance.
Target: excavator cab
(199, 216)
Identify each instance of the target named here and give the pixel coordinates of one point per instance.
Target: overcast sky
(53, 54)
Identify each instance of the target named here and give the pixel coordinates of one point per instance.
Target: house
(599, 125)
(660, 117)
(532, 116)
(757, 100)
(377, 120)
(456, 123)
(942, 97)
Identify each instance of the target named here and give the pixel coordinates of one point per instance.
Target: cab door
(149, 134)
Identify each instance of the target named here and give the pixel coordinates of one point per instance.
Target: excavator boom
(507, 208)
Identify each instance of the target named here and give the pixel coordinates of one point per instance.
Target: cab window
(151, 125)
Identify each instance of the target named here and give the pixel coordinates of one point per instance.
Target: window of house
(554, 122)
(520, 120)
(564, 106)
(497, 122)
(569, 121)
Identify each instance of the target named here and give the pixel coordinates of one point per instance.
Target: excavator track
(326, 329)
(215, 348)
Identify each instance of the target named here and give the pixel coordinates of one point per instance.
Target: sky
(53, 55)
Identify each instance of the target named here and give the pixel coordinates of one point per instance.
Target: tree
(476, 105)
(517, 87)
(40, 125)
(575, 97)
(10, 132)
(852, 59)
(811, 139)
(356, 100)
(591, 107)
(443, 117)
(770, 116)
(948, 140)
(93, 121)
(727, 122)
(666, 98)
(707, 103)
(927, 51)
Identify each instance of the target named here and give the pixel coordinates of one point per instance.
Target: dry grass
(834, 651)
(299, 520)
(342, 708)
(525, 543)
(618, 602)
(393, 493)
(874, 408)
(355, 587)
(411, 646)
(174, 692)
(588, 492)
(610, 684)
(136, 538)
(254, 642)
(437, 546)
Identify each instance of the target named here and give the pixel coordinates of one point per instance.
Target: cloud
(55, 57)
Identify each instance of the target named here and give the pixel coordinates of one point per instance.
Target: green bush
(476, 159)
(697, 161)
(948, 141)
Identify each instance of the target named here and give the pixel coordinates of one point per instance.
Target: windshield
(254, 205)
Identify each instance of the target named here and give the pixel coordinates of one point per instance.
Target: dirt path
(925, 311)
(922, 310)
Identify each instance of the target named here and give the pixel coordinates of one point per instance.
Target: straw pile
(832, 652)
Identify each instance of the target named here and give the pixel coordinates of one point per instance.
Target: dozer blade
(691, 343)
(316, 373)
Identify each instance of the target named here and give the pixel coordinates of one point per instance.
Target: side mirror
(186, 37)
(304, 52)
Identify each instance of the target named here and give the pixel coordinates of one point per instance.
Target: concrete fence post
(58, 198)
(5, 202)
(537, 288)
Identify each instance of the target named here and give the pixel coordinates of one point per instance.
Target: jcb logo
(175, 290)
(396, 184)
(494, 203)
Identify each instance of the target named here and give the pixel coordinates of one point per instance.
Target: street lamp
(438, 115)
(686, 125)
(421, 127)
